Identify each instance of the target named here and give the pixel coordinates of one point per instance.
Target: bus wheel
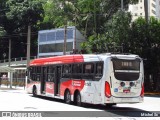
(34, 92)
(109, 105)
(67, 97)
(78, 99)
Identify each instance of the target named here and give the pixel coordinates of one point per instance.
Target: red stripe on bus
(58, 60)
(72, 85)
(50, 87)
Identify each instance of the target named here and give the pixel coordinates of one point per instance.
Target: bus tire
(34, 91)
(78, 99)
(109, 105)
(67, 97)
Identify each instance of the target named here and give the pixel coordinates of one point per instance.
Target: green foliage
(23, 13)
(16, 15)
(116, 34)
(89, 16)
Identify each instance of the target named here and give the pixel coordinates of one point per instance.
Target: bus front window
(126, 70)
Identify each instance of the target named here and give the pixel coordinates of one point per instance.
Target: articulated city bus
(90, 78)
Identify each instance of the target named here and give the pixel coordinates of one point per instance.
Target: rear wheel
(78, 99)
(110, 105)
(34, 92)
(67, 97)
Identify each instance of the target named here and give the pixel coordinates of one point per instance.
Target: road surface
(20, 101)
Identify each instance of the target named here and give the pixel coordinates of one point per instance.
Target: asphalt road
(20, 101)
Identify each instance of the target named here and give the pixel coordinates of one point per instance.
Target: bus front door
(58, 72)
(43, 79)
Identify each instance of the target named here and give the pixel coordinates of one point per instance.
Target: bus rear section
(125, 80)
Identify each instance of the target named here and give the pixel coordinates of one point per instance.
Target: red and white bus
(90, 78)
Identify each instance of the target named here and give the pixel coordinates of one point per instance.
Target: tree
(89, 16)
(17, 16)
(116, 34)
(145, 42)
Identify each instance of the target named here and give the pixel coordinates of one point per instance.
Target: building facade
(139, 10)
(51, 42)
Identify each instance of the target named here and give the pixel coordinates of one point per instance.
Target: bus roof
(57, 60)
(76, 58)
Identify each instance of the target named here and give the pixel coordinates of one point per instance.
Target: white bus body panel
(118, 95)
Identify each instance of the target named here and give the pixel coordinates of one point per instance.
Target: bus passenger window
(77, 68)
(99, 71)
(67, 69)
(66, 72)
(88, 68)
(77, 71)
(38, 73)
(33, 73)
(99, 68)
(50, 74)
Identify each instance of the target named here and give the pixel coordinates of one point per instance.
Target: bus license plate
(126, 91)
(126, 99)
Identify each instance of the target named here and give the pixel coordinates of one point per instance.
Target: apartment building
(138, 9)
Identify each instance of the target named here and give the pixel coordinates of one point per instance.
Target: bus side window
(99, 70)
(38, 73)
(29, 74)
(88, 70)
(77, 68)
(77, 71)
(51, 73)
(66, 72)
(33, 76)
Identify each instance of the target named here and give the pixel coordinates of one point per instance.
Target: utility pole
(28, 50)
(9, 63)
(122, 5)
(65, 29)
(28, 45)
(146, 9)
(65, 39)
(9, 54)
(75, 33)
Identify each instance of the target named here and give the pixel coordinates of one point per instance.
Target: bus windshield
(126, 70)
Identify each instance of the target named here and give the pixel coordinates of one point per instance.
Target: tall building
(51, 42)
(138, 9)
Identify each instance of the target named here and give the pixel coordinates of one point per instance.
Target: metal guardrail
(17, 59)
(16, 82)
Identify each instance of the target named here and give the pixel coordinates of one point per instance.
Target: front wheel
(67, 97)
(34, 91)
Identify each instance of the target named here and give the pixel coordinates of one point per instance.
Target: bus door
(43, 79)
(58, 73)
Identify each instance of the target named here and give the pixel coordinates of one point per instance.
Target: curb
(152, 93)
(9, 89)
